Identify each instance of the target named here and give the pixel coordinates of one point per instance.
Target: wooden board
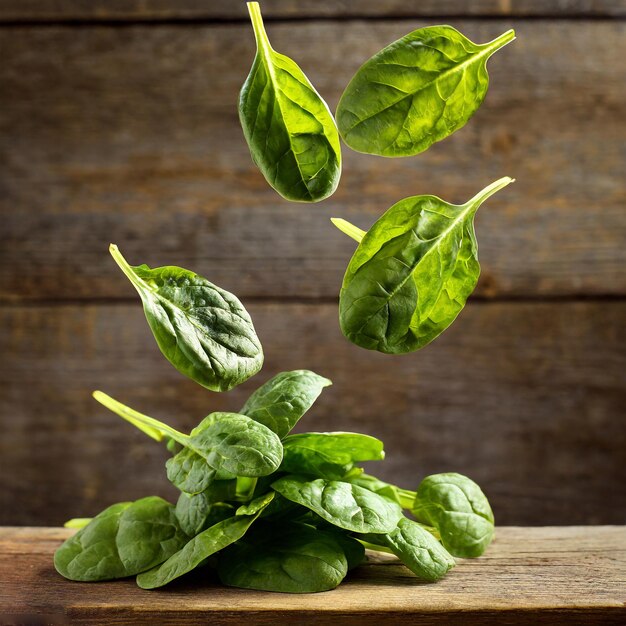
(101, 10)
(525, 398)
(572, 575)
(131, 135)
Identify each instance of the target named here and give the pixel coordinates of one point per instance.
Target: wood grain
(525, 398)
(131, 135)
(571, 575)
(99, 10)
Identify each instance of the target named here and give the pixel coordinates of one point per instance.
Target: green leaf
(202, 330)
(197, 512)
(417, 549)
(284, 399)
(292, 558)
(237, 444)
(290, 131)
(328, 455)
(256, 505)
(123, 540)
(189, 472)
(458, 508)
(202, 546)
(412, 273)
(416, 91)
(342, 504)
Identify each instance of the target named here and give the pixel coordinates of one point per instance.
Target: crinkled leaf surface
(284, 399)
(342, 504)
(417, 549)
(416, 91)
(412, 273)
(203, 331)
(189, 472)
(291, 558)
(290, 131)
(457, 507)
(123, 540)
(202, 546)
(328, 455)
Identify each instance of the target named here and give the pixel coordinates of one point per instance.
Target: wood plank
(100, 10)
(525, 398)
(551, 575)
(131, 135)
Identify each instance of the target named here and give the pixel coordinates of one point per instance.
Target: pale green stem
(349, 229)
(137, 283)
(245, 487)
(262, 40)
(372, 546)
(501, 41)
(489, 190)
(77, 522)
(407, 498)
(148, 425)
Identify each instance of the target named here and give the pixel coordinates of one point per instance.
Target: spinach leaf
(290, 131)
(342, 504)
(328, 455)
(458, 508)
(202, 330)
(417, 549)
(412, 273)
(291, 558)
(197, 512)
(202, 546)
(416, 91)
(189, 472)
(284, 399)
(123, 540)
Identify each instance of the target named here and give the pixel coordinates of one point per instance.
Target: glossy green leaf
(284, 399)
(328, 455)
(202, 330)
(458, 508)
(202, 546)
(189, 472)
(342, 504)
(123, 540)
(197, 512)
(291, 558)
(417, 549)
(412, 273)
(290, 131)
(416, 91)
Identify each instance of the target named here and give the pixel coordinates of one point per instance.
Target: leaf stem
(373, 546)
(501, 41)
(137, 283)
(489, 190)
(348, 229)
(153, 428)
(407, 498)
(262, 40)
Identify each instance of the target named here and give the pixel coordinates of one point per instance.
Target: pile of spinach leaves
(259, 506)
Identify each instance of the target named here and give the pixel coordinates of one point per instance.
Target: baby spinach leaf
(237, 444)
(197, 512)
(257, 505)
(412, 273)
(189, 472)
(123, 540)
(342, 504)
(284, 399)
(202, 330)
(458, 508)
(416, 91)
(417, 549)
(292, 558)
(290, 131)
(202, 546)
(328, 455)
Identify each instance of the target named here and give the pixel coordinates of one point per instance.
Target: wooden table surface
(528, 576)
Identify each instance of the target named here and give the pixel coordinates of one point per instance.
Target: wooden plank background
(118, 123)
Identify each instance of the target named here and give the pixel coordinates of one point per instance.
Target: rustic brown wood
(131, 135)
(46, 10)
(551, 575)
(525, 398)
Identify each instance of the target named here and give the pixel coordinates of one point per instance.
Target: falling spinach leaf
(342, 504)
(412, 273)
(416, 91)
(457, 507)
(284, 399)
(202, 330)
(291, 558)
(290, 131)
(328, 455)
